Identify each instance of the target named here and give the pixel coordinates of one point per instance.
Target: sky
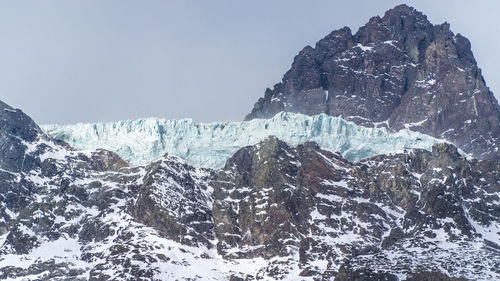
(75, 61)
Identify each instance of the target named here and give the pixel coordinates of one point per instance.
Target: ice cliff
(211, 144)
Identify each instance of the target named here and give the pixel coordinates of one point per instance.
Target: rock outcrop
(397, 71)
(388, 214)
(87, 215)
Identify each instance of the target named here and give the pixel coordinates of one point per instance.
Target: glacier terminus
(211, 144)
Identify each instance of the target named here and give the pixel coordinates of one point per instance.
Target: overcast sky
(86, 61)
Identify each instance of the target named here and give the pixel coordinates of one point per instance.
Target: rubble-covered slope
(210, 145)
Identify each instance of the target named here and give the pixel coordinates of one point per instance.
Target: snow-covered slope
(74, 220)
(211, 144)
(274, 212)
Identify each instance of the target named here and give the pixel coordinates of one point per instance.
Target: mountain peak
(399, 23)
(17, 131)
(403, 10)
(397, 71)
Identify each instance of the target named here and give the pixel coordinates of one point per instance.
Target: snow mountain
(293, 197)
(274, 211)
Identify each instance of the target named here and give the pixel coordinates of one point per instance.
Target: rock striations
(398, 71)
(273, 211)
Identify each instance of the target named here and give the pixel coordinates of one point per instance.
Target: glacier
(211, 144)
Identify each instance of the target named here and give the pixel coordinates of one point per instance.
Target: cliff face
(383, 217)
(397, 71)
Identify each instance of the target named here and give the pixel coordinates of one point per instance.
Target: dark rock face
(272, 210)
(176, 199)
(433, 276)
(346, 274)
(396, 71)
(272, 201)
(16, 130)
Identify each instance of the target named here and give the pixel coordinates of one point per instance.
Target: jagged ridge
(398, 71)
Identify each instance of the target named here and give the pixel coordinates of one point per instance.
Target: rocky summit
(398, 71)
(275, 209)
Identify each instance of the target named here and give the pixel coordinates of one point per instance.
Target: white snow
(9, 110)
(416, 124)
(364, 48)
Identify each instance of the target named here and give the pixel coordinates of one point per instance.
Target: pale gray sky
(84, 61)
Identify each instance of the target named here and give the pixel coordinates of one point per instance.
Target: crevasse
(211, 144)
